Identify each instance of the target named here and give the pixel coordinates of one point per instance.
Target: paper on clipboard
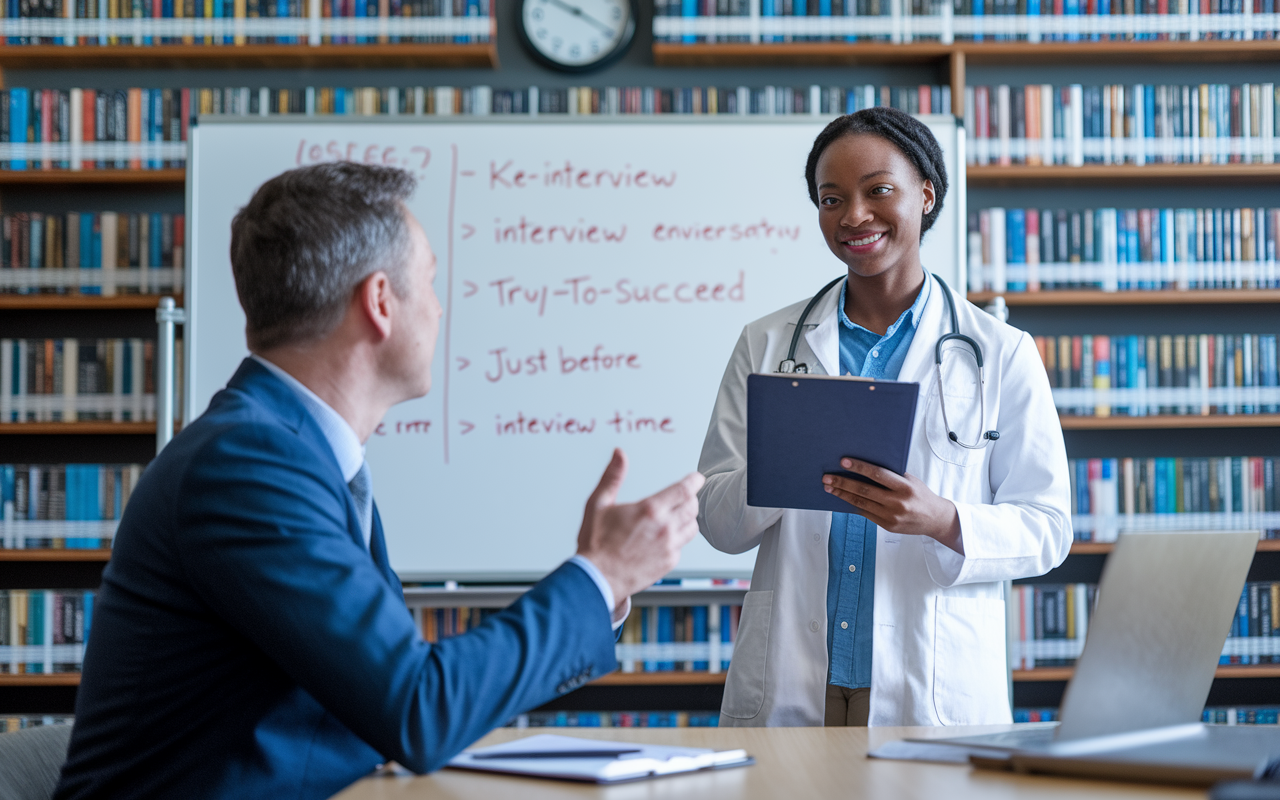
(650, 761)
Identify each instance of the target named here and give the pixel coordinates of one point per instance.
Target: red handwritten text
(509, 176)
(581, 291)
(730, 233)
(525, 232)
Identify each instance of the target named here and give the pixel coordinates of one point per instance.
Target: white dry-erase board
(595, 275)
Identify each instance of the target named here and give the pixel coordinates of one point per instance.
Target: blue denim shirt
(851, 548)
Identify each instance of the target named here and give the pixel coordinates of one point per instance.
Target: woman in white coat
(894, 613)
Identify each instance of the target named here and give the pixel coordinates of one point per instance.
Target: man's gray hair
(307, 238)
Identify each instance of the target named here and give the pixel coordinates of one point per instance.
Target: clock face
(577, 35)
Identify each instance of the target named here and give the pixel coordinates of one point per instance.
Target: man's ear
(374, 302)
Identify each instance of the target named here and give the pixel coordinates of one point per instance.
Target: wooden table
(792, 764)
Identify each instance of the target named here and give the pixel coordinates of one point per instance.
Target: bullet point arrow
(469, 288)
(467, 427)
(468, 231)
(463, 363)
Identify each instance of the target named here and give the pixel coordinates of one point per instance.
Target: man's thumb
(610, 481)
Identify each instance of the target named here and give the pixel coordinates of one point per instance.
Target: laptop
(1133, 706)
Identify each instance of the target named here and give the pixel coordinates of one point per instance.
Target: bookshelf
(1052, 674)
(165, 178)
(82, 302)
(1122, 174)
(252, 56)
(1161, 297)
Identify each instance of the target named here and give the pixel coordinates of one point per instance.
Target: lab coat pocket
(969, 669)
(744, 689)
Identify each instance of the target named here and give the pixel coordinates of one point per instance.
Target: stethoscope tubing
(788, 365)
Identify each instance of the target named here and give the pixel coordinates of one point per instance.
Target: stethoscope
(789, 365)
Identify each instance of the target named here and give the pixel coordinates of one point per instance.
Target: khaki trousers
(847, 707)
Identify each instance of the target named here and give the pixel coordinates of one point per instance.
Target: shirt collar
(341, 437)
(911, 315)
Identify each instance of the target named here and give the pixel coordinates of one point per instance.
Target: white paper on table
(651, 760)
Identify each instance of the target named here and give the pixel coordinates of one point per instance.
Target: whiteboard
(595, 275)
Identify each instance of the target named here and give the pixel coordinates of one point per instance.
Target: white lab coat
(938, 648)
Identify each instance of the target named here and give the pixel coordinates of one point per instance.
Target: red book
(186, 112)
(89, 126)
(926, 99)
(46, 121)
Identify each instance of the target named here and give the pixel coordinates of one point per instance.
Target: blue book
(88, 614)
(666, 632)
(72, 501)
(1016, 245)
(156, 132)
(1120, 369)
(726, 631)
(647, 637)
(19, 105)
(767, 10)
(688, 9)
(1082, 486)
(700, 633)
(978, 11)
(1242, 613)
(1071, 8)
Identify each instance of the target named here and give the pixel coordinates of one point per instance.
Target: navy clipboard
(800, 426)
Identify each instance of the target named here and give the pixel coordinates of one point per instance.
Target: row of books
(1229, 493)
(63, 505)
(1213, 715)
(654, 638)
(43, 631)
(78, 380)
(1209, 373)
(1047, 623)
(105, 23)
(1131, 249)
(1241, 715)
(16, 722)
(905, 21)
(98, 253)
(1211, 123)
(141, 128)
(617, 719)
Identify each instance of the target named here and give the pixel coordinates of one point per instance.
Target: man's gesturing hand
(635, 544)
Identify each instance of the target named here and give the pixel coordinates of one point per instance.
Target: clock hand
(577, 12)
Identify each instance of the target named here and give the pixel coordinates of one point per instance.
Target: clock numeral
(575, 51)
(616, 13)
(537, 14)
(595, 47)
(541, 33)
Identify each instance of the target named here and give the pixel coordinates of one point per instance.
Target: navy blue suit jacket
(246, 643)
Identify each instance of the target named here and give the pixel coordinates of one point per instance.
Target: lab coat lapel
(824, 339)
(918, 365)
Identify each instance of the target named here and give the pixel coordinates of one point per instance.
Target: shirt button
(844, 625)
(817, 537)
(875, 353)
(813, 625)
(852, 568)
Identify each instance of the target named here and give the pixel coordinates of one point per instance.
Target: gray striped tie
(362, 492)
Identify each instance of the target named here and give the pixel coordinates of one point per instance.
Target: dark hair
(909, 134)
(307, 238)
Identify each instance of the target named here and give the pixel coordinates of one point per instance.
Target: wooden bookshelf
(53, 679)
(74, 428)
(267, 56)
(674, 678)
(1169, 422)
(705, 54)
(92, 177)
(1095, 174)
(82, 302)
(56, 555)
(1064, 673)
(1159, 297)
(1102, 548)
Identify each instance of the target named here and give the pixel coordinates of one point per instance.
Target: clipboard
(800, 426)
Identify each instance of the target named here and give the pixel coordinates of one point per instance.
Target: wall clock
(577, 35)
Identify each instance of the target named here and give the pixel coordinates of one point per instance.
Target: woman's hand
(904, 505)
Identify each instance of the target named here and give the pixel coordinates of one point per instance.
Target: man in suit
(250, 639)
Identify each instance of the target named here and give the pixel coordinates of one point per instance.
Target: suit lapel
(378, 549)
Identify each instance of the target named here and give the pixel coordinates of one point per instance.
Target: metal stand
(167, 315)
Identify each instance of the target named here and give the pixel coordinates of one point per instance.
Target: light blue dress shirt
(851, 548)
(349, 452)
